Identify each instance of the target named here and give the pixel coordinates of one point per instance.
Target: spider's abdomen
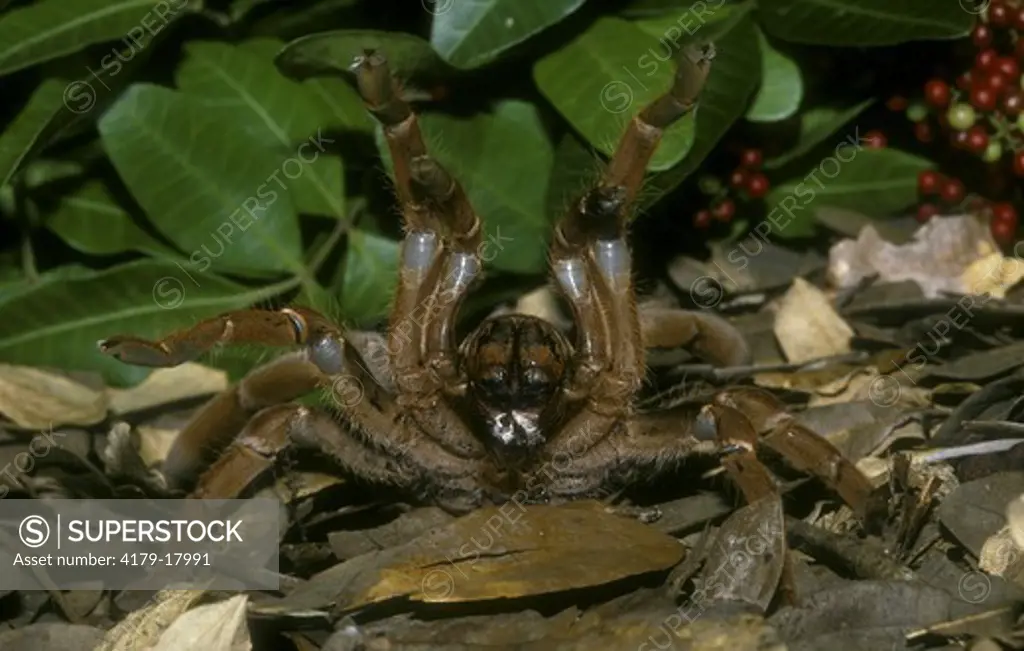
(515, 365)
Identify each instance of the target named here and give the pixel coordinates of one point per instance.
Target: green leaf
(864, 23)
(333, 52)
(876, 182)
(145, 298)
(734, 76)
(605, 76)
(91, 221)
(503, 160)
(11, 290)
(782, 87)
(203, 183)
(368, 278)
(238, 86)
(40, 121)
(470, 34)
(816, 125)
(48, 29)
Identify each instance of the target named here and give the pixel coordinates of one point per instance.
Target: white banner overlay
(139, 544)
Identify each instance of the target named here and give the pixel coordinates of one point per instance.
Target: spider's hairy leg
(707, 335)
(286, 327)
(592, 261)
(440, 254)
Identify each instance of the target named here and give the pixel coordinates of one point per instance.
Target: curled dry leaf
(50, 636)
(499, 552)
(168, 385)
(36, 399)
(213, 627)
(807, 326)
(1000, 556)
(939, 258)
(142, 628)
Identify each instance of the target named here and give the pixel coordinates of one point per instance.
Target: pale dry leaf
(542, 303)
(936, 259)
(36, 399)
(155, 443)
(168, 385)
(808, 327)
(142, 628)
(1000, 555)
(213, 627)
(1015, 520)
(994, 275)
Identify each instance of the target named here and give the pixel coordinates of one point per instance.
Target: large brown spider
(515, 410)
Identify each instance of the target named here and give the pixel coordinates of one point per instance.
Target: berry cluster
(747, 179)
(980, 113)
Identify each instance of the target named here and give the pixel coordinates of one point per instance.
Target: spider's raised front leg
(591, 262)
(439, 261)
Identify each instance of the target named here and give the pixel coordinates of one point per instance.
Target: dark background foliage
(135, 134)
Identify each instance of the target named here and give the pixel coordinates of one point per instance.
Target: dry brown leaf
(167, 385)
(807, 326)
(213, 627)
(155, 443)
(49, 636)
(937, 259)
(36, 399)
(498, 552)
(142, 628)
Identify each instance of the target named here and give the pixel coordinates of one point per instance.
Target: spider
(515, 409)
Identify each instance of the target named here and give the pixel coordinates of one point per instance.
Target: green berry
(709, 185)
(961, 116)
(917, 112)
(993, 152)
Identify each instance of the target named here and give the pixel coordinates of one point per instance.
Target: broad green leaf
(203, 183)
(606, 75)
(782, 87)
(43, 117)
(333, 52)
(576, 168)
(145, 298)
(240, 87)
(91, 221)
(23, 285)
(876, 182)
(503, 160)
(294, 20)
(470, 33)
(734, 76)
(368, 277)
(48, 29)
(816, 125)
(864, 23)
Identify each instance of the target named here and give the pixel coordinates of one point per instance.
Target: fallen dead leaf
(938, 259)
(807, 326)
(142, 628)
(167, 385)
(50, 636)
(213, 627)
(36, 399)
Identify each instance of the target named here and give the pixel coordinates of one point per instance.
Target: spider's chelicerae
(515, 407)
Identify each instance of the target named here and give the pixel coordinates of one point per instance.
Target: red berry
(923, 132)
(738, 178)
(751, 159)
(958, 139)
(983, 98)
(985, 60)
(1007, 66)
(928, 182)
(977, 139)
(936, 93)
(757, 185)
(724, 210)
(995, 81)
(963, 82)
(981, 36)
(1018, 21)
(1018, 163)
(875, 139)
(1013, 103)
(998, 15)
(952, 191)
(1004, 212)
(897, 103)
(702, 219)
(926, 211)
